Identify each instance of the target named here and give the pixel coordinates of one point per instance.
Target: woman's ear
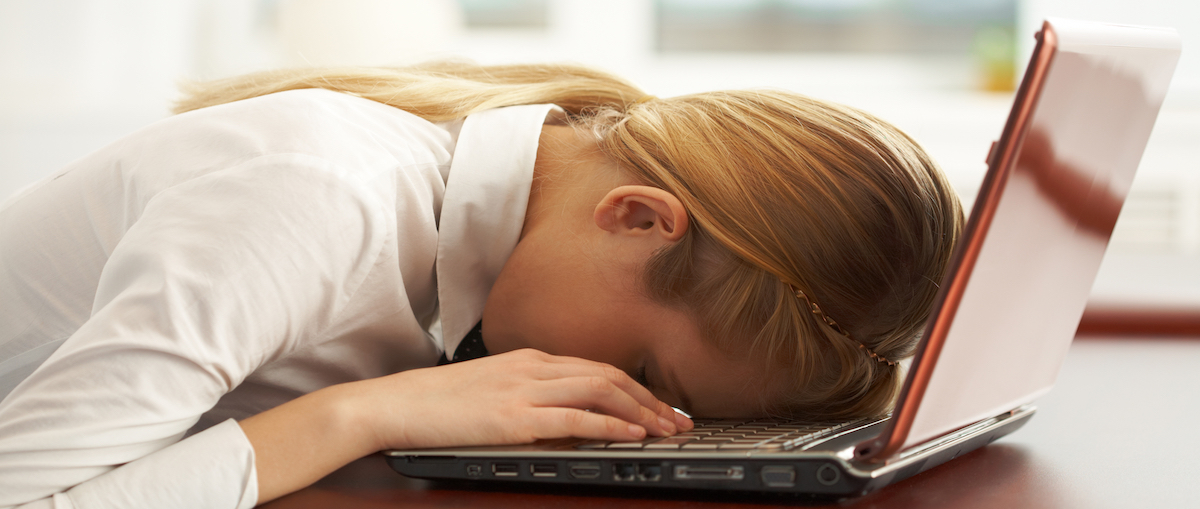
(642, 211)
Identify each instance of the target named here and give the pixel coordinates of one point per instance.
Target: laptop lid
(1022, 272)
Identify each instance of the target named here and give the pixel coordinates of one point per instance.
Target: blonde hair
(785, 193)
(435, 91)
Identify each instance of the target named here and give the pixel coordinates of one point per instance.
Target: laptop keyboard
(714, 435)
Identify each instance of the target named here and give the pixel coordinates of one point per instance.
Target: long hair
(435, 91)
(785, 194)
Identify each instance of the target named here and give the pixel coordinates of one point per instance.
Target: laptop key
(669, 443)
(739, 445)
(626, 445)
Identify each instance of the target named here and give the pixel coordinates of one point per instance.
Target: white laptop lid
(1022, 273)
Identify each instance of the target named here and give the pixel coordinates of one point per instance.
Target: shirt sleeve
(218, 276)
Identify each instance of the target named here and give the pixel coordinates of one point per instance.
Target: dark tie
(471, 347)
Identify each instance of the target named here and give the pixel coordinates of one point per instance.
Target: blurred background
(78, 74)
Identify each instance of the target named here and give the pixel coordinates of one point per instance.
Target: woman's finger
(601, 394)
(558, 422)
(560, 367)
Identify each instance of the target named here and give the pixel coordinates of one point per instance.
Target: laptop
(999, 330)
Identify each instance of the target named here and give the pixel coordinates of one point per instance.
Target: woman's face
(558, 299)
(572, 286)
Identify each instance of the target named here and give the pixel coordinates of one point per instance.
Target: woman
(273, 276)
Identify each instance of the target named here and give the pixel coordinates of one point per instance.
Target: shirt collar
(483, 210)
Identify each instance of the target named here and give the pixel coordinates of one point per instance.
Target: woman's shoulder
(324, 139)
(362, 140)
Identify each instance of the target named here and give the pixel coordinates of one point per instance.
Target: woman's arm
(516, 397)
(218, 276)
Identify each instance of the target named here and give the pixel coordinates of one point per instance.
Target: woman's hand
(511, 398)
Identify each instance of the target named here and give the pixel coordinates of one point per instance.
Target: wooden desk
(1120, 430)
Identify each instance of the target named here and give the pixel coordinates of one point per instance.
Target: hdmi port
(584, 470)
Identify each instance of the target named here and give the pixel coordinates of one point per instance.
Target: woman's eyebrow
(677, 388)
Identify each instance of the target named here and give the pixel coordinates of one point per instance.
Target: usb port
(543, 470)
(504, 469)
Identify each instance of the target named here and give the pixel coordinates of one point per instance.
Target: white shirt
(224, 261)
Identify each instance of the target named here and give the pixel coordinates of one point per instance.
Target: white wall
(74, 74)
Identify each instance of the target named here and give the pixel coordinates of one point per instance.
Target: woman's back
(59, 234)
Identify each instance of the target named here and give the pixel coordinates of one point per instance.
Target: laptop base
(826, 472)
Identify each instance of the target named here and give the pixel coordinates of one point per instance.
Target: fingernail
(684, 423)
(637, 431)
(667, 426)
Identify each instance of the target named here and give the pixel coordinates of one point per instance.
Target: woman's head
(794, 202)
(784, 196)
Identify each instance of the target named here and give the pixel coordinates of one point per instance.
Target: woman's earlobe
(641, 210)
